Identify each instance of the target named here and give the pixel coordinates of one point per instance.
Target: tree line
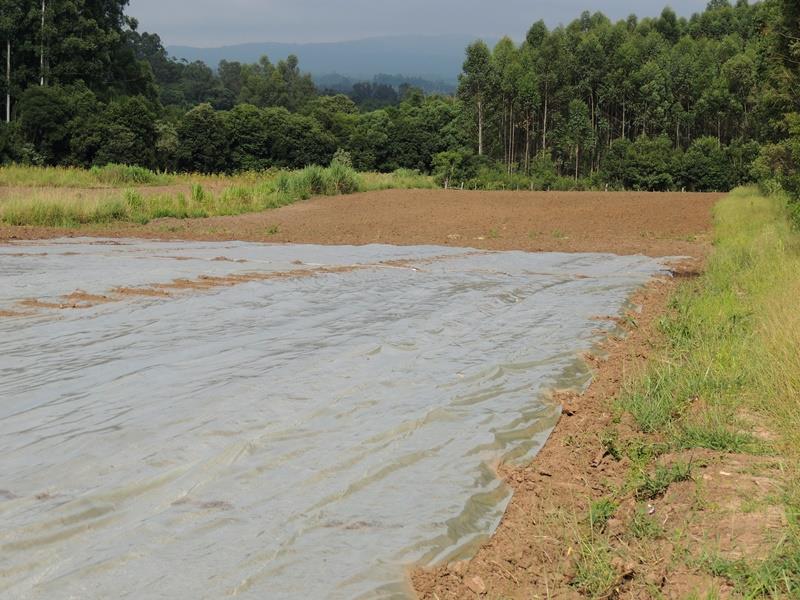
(650, 103)
(706, 102)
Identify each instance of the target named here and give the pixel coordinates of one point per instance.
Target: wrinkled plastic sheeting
(287, 438)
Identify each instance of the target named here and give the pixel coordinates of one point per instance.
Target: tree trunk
(480, 127)
(544, 123)
(8, 80)
(501, 132)
(577, 160)
(41, 56)
(623, 119)
(511, 139)
(528, 144)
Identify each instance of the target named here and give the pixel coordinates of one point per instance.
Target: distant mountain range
(431, 58)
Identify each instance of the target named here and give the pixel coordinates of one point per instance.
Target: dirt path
(655, 224)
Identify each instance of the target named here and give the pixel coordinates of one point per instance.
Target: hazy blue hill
(435, 58)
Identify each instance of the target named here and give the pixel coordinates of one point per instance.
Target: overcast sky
(223, 22)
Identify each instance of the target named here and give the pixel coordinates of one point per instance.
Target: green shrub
(342, 157)
(454, 167)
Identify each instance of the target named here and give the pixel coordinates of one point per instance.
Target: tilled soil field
(532, 554)
(656, 224)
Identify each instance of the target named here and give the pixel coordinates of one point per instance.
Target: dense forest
(703, 103)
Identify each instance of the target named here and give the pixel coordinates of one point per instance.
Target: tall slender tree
(42, 43)
(10, 18)
(475, 84)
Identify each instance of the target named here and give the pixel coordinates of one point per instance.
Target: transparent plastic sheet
(296, 437)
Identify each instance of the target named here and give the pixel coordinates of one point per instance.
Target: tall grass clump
(317, 181)
(343, 179)
(123, 175)
(400, 179)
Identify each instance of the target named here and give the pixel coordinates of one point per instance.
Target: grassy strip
(243, 195)
(110, 175)
(733, 338)
(733, 358)
(730, 363)
(113, 175)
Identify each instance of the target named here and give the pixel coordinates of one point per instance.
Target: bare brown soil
(656, 224)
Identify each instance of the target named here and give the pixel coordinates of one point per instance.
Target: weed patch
(778, 576)
(654, 485)
(643, 526)
(600, 511)
(595, 575)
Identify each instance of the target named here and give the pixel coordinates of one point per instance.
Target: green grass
(600, 511)
(732, 361)
(649, 486)
(121, 175)
(401, 179)
(595, 575)
(108, 176)
(243, 194)
(644, 526)
(733, 335)
(716, 433)
(778, 576)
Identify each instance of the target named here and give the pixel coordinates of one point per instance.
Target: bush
(646, 164)
(203, 141)
(342, 157)
(454, 167)
(10, 143)
(706, 167)
(315, 180)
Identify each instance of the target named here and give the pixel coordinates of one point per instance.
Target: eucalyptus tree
(476, 83)
(507, 70)
(11, 13)
(528, 96)
(577, 130)
(552, 66)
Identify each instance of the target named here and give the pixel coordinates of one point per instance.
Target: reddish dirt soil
(656, 224)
